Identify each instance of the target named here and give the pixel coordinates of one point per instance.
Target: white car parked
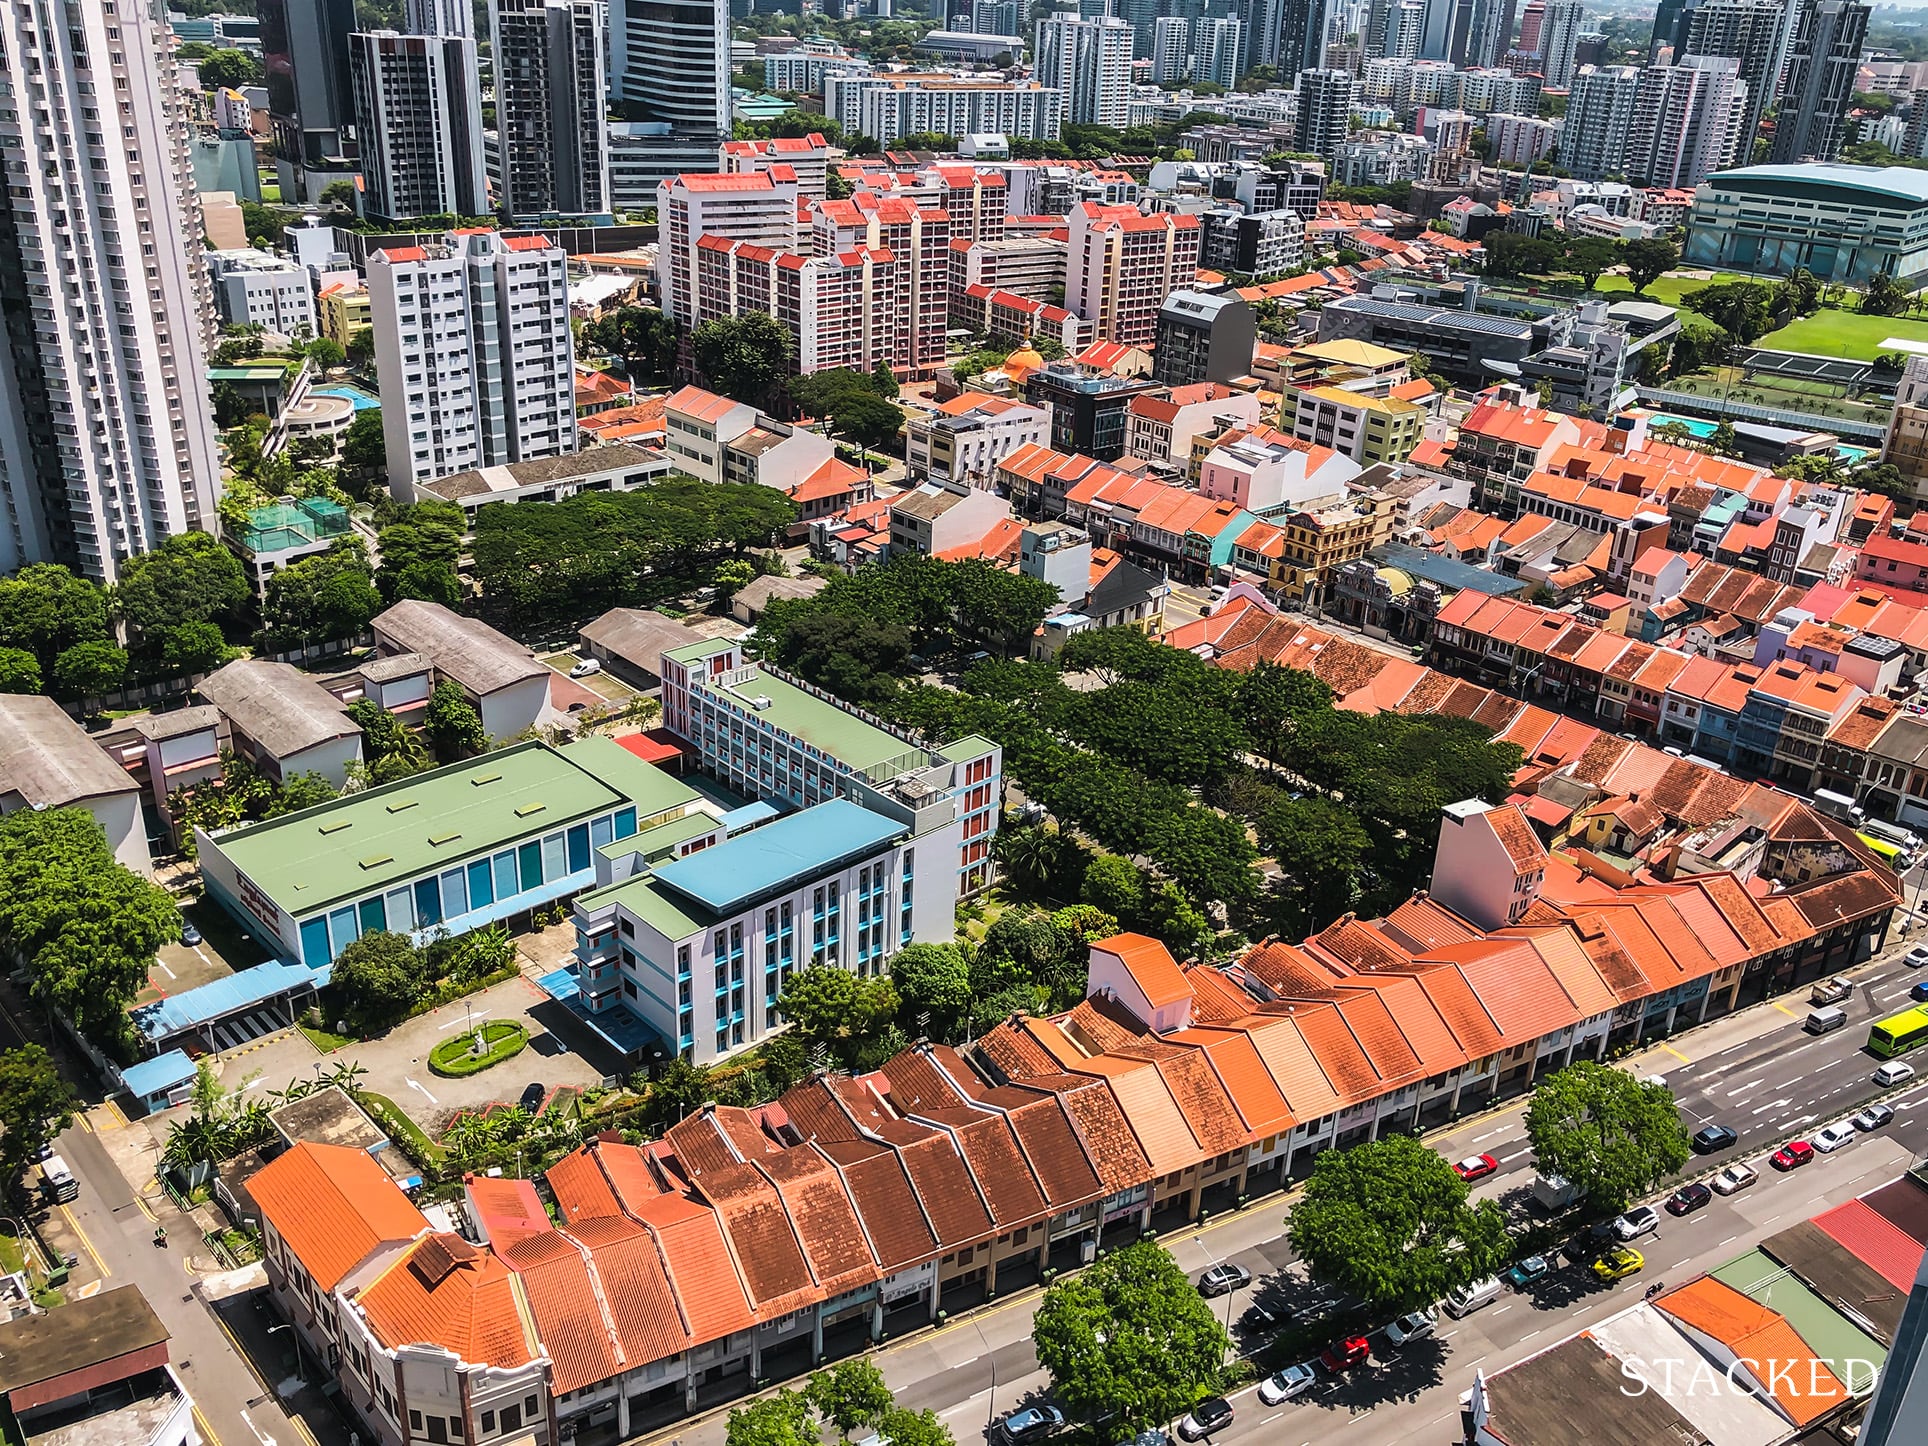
(1289, 1383)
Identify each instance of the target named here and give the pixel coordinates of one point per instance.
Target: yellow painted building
(1370, 430)
(345, 310)
(1323, 537)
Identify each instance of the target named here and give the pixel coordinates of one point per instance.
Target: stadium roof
(1902, 182)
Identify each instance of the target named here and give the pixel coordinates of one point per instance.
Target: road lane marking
(416, 1085)
(1516, 1155)
(1761, 1111)
(1676, 1054)
(206, 1429)
(85, 1243)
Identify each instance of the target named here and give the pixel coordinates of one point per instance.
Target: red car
(1344, 1353)
(1476, 1168)
(1792, 1155)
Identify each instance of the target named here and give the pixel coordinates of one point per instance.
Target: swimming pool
(364, 401)
(1703, 429)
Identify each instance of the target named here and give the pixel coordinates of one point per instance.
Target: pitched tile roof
(443, 1291)
(1754, 1333)
(333, 1207)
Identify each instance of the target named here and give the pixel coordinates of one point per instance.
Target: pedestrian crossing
(239, 1030)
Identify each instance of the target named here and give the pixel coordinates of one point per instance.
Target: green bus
(1900, 1033)
(1888, 851)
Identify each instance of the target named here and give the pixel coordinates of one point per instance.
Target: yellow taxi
(1619, 1263)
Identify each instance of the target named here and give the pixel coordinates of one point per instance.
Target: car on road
(1714, 1139)
(1224, 1278)
(1588, 1243)
(1918, 991)
(1476, 1167)
(1688, 1198)
(1619, 1263)
(1214, 1413)
(1291, 1382)
(1528, 1271)
(1734, 1178)
(587, 668)
(531, 1099)
(1831, 991)
(1830, 1138)
(1916, 957)
(1414, 1326)
(1263, 1318)
(1893, 1073)
(1639, 1221)
(1792, 1155)
(190, 935)
(1029, 1423)
(1150, 1436)
(1344, 1354)
(1872, 1118)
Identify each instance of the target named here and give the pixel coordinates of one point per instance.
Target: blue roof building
(697, 946)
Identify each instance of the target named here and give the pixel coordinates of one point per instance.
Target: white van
(1470, 1298)
(1893, 1073)
(1826, 1021)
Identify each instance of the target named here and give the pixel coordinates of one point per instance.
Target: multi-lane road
(1757, 1072)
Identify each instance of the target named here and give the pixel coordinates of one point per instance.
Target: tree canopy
(564, 561)
(320, 598)
(1391, 1223)
(1611, 1135)
(87, 925)
(1129, 1340)
(35, 1105)
(643, 338)
(743, 356)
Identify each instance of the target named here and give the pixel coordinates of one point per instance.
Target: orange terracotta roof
(1753, 1332)
(445, 1292)
(333, 1207)
(1150, 965)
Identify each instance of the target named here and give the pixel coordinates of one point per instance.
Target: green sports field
(1843, 334)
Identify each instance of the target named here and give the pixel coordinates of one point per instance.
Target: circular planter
(456, 1058)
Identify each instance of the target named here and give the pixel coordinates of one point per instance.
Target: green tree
(45, 609)
(1743, 309)
(783, 1419)
(36, 1104)
(361, 351)
(1884, 296)
(339, 194)
(299, 791)
(743, 356)
(87, 925)
(1611, 1135)
(363, 446)
(193, 648)
(421, 552)
(835, 1008)
(375, 982)
(320, 598)
(326, 353)
(189, 578)
(88, 670)
(1648, 260)
(1129, 1341)
(390, 748)
(902, 1427)
(1321, 849)
(1588, 256)
(1724, 440)
(731, 578)
(680, 1087)
(1115, 885)
(1391, 1223)
(19, 671)
(1803, 292)
(228, 69)
(643, 338)
(849, 1394)
(453, 726)
(932, 980)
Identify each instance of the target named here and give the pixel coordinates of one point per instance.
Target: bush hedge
(502, 1039)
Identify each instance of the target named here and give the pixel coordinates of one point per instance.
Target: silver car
(1289, 1383)
(1735, 1177)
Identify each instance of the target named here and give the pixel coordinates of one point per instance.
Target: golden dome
(1022, 362)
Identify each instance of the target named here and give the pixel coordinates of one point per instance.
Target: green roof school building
(456, 848)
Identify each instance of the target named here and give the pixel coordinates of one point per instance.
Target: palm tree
(1026, 855)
